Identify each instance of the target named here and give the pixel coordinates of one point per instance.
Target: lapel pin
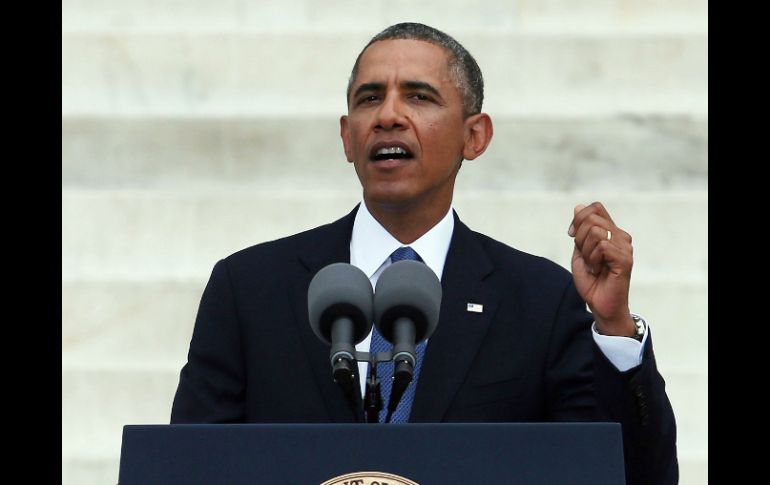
(475, 307)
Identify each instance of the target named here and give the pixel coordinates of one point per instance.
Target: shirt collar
(371, 244)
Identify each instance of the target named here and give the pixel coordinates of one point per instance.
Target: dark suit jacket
(528, 357)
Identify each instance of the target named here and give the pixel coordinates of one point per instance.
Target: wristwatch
(641, 326)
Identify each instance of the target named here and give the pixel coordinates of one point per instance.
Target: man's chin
(389, 198)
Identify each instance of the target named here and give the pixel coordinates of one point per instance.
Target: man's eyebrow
(369, 87)
(411, 85)
(421, 86)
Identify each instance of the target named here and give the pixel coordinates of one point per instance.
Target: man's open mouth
(390, 151)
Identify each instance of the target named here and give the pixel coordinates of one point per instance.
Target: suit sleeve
(582, 384)
(211, 384)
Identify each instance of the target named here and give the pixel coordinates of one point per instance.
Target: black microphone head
(407, 289)
(340, 290)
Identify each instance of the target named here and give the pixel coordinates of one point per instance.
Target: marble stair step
(139, 235)
(637, 152)
(233, 74)
(452, 16)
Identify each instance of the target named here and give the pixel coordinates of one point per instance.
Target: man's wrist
(635, 327)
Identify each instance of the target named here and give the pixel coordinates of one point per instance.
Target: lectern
(426, 454)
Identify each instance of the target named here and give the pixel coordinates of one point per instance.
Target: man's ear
(478, 134)
(345, 135)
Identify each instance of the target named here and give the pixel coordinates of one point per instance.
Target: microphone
(340, 308)
(407, 302)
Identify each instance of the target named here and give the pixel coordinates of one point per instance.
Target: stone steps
(638, 152)
(231, 74)
(140, 235)
(453, 16)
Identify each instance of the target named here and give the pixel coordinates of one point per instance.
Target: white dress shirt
(371, 246)
(370, 249)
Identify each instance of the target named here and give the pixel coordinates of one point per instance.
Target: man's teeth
(391, 151)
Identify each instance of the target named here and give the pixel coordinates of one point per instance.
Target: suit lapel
(452, 347)
(459, 334)
(331, 245)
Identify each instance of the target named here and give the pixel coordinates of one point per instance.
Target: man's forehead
(406, 58)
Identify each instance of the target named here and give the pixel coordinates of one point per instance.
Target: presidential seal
(369, 478)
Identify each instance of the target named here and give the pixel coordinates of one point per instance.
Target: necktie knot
(405, 253)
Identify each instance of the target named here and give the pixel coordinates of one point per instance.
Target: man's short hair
(462, 66)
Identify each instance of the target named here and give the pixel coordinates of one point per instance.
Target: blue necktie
(385, 369)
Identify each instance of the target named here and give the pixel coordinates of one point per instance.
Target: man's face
(404, 131)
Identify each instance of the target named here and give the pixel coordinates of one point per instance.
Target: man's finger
(571, 230)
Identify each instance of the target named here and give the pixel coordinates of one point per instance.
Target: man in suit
(526, 351)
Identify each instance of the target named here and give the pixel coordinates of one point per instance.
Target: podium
(427, 454)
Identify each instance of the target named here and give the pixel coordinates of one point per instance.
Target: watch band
(641, 327)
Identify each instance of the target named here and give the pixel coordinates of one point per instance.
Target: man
(527, 352)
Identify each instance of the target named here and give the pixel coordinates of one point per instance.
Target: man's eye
(420, 97)
(369, 99)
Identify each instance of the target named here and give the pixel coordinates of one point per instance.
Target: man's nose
(390, 115)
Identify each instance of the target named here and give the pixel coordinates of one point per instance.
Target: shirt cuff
(625, 353)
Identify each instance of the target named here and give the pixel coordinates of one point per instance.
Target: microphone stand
(372, 395)
(402, 377)
(373, 398)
